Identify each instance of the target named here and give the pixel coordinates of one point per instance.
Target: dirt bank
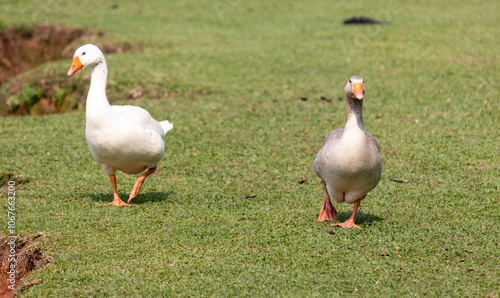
(28, 257)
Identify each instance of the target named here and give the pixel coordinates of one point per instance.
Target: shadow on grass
(361, 217)
(145, 198)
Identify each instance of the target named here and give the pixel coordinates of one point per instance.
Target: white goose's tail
(166, 125)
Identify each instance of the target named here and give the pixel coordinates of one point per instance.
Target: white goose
(349, 163)
(124, 138)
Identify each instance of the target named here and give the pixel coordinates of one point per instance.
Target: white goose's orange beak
(357, 90)
(75, 66)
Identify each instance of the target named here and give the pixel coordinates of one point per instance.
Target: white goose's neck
(354, 115)
(96, 98)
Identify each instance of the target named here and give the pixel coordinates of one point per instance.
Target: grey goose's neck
(354, 114)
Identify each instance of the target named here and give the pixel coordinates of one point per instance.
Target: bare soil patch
(27, 47)
(28, 258)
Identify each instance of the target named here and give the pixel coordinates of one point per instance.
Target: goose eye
(83, 54)
(350, 82)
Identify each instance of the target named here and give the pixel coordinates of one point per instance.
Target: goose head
(86, 55)
(355, 88)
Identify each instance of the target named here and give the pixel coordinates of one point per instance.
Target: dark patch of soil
(28, 258)
(25, 48)
(364, 21)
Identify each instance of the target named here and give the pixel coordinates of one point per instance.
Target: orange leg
(349, 223)
(116, 201)
(327, 212)
(139, 182)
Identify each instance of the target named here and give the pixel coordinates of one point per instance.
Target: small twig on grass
(247, 197)
(398, 181)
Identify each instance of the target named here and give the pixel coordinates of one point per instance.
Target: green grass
(431, 100)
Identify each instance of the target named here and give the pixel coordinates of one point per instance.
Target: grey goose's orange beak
(357, 90)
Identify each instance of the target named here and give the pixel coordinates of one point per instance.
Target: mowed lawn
(225, 214)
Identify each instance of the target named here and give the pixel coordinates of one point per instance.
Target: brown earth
(25, 48)
(28, 258)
